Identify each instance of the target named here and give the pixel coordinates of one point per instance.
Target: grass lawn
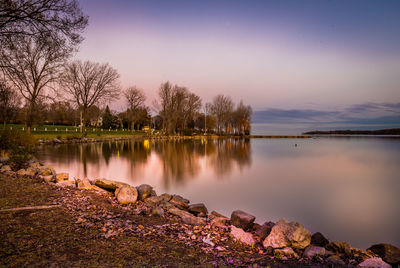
(65, 132)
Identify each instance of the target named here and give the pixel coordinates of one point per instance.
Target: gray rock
(109, 184)
(158, 211)
(154, 200)
(242, 236)
(127, 195)
(83, 183)
(264, 230)
(287, 252)
(198, 209)
(66, 183)
(145, 191)
(311, 251)
(318, 239)
(31, 172)
(62, 177)
(187, 217)
(387, 252)
(242, 219)
(21, 172)
(339, 247)
(5, 168)
(288, 234)
(179, 202)
(375, 263)
(166, 197)
(336, 260)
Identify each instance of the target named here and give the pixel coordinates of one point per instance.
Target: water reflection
(178, 160)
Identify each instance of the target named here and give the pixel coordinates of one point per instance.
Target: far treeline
(39, 84)
(392, 131)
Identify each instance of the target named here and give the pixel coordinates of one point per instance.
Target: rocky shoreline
(277, 242)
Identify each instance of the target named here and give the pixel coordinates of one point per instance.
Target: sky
(318, 59)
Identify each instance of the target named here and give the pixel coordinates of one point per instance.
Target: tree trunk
(29, 117)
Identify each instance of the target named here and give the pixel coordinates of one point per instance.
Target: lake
(346, 188)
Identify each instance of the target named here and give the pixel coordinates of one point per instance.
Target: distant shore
(392, 131)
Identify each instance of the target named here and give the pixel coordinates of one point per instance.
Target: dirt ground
(88, 229)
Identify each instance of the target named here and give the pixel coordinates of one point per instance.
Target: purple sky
(318, 55)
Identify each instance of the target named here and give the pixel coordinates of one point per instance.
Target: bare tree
(221, 108)
(61, 19)
(9, 102)
(135, 98)
(89, 83)
(33, 66)
(241, 118)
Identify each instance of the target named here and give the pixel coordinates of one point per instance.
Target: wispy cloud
(367, 113)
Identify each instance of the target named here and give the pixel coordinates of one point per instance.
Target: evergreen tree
(107, 119)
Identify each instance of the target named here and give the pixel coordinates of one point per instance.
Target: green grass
(68, 132)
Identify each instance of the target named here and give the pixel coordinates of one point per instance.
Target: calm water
(347, 188)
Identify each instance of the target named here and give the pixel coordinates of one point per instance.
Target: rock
(47, 179)
(375, 263)
(66, 183)
(166, 197)
(242, 219)
(46, 171)
(158, 211)
(31, 172)
(319, 239)
(199, 210)
(127, 195)
(56, 141)
(62, 177)
(336, 260)
(220, 221)
(154, 200)
(264, 230)
(288, 234)
(311, 251)
(187, 217)
(167, 206)
(145, 191)
(21, 172)
(5, 168)
(109, 184)
(216, 214)
(242, 236)
(83, 183)
(285, 252)
(35, 165)
(387, 252)
(339, 247)
(179, 202)
(96, 188)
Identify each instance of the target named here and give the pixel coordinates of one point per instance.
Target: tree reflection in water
(179, 160)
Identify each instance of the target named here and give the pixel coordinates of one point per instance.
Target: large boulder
(288, 234)
(46, 171)
(198, 209)
(242, 236)
(387, 252)
(339, 247)
(66, 183)
(375, 263)
(145, 191)
(154, 200)
(62, 177)
(179, 202)
(48, 179)
(109, 184)
(31, 172)
(21, 172)
(318, 239)
(242, 219)
(335, 260)
(83, 183)
(264, 230)
(187, 217)
(166, 197)
(312, 251)
(127, 195)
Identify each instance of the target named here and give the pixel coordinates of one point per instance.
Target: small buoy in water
(295, 145)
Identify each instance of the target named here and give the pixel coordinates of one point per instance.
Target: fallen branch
(29, 208)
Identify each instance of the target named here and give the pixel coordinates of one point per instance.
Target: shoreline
(282, 241)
